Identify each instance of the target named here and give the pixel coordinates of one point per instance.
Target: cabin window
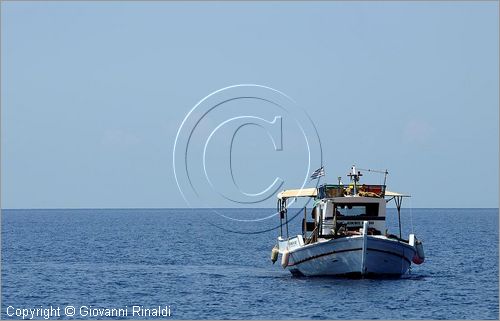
(357, 209)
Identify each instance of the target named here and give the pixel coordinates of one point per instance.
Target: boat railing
(338, 190)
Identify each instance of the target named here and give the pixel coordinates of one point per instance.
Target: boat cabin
(337, 212)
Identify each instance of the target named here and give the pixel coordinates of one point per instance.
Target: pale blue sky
(93, 94)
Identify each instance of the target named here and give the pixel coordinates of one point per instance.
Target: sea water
(215, 264)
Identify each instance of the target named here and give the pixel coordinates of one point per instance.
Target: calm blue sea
(190, 261)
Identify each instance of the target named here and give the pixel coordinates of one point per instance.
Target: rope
(311, 236)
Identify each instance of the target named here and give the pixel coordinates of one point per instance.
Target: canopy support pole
(286, 222)
(305, 223)
(398, 200)
(281, 214)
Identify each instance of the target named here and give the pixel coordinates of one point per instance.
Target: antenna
(385, 172)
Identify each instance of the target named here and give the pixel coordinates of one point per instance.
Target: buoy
(419, 257)
(284, 259)
(274, 254)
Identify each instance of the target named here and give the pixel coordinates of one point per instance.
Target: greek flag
(318, 173)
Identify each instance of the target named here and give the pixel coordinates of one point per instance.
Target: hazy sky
(93, 95)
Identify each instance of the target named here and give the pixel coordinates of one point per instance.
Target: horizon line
(195, 208)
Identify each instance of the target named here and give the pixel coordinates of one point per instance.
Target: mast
(354, 178)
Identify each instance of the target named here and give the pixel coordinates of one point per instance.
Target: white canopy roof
(393, 194)
(303, 192)
(312, 192)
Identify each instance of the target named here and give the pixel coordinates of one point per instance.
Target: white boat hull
(362, 256)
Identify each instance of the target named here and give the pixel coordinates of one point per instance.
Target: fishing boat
(346, 233)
